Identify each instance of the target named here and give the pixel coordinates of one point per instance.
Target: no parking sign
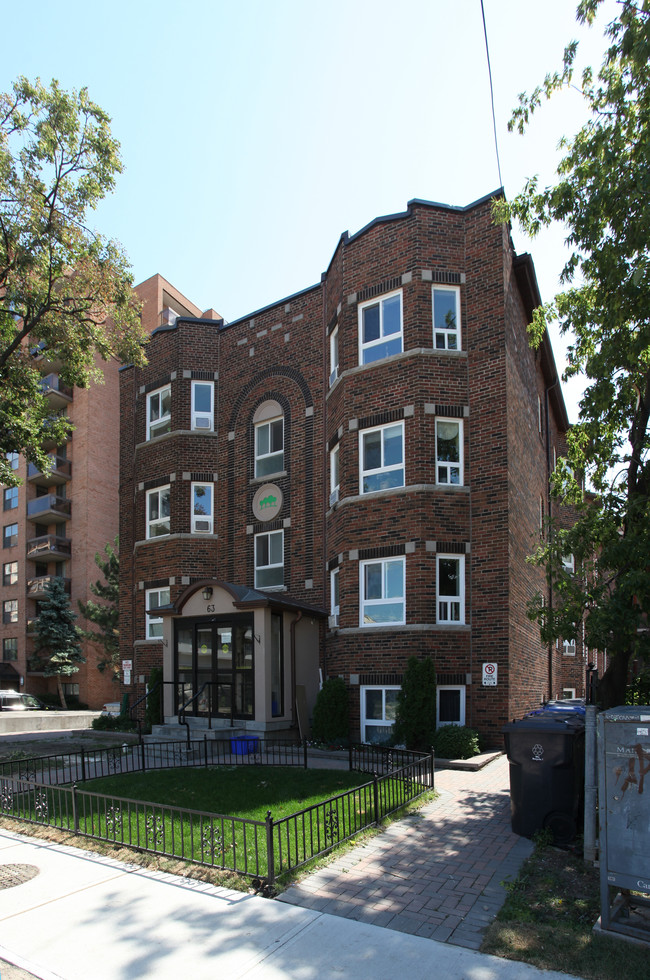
(490, 675)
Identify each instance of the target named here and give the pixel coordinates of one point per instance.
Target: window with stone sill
(335, 608)
(154, 599)
(446, 317)
(158, 512)
(202, 509)
(334, 355)
(203, 405)
(159, 412)
(450, 704)
(378, 712)
(269, 559)
(380, 328)
(269, 447)
(449, 452)
(382, 593)
(381, 455)
(450, 588)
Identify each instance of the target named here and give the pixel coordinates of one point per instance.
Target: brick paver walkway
(436, 873)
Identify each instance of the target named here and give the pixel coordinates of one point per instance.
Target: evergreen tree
(415, 720)
(56, 636)
(105, 615)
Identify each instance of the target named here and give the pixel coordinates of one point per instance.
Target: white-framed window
(13, 460)
(334, 355)
(269, 447)
(449, 452)
(202, 510)
(378, 710)
(568, 693)
(380, 327)
(382, 592)
(269, 559)
(334, 475)
(159, 412)
(158, 520)
(381, 458)
(568, 564)
(568, 648)
(446, 317)
(335, 608)
(203, 405)
(450, 588)
(154, 599)
(450, 704)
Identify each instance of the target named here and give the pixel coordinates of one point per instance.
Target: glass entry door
(214, 668)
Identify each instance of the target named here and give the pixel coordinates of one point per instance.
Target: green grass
(216, 817)
(548, 920)
(241, 791)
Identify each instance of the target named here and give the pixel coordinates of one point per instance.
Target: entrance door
(214, 667)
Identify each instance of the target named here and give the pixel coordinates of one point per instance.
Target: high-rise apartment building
(54, 525)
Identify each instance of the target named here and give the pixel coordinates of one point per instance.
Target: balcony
(49, 547)
(46, 360)
(37, 587)
(57, 394)
(60, 473)
(49, 509)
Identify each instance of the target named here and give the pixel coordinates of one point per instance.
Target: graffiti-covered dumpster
(624, 820)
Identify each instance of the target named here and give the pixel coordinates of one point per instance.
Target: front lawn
(236, 791)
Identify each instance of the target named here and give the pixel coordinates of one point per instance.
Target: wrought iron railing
(46, 791)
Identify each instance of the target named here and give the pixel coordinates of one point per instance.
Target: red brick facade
(482, 379)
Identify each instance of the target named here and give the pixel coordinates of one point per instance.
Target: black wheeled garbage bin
(546, 752)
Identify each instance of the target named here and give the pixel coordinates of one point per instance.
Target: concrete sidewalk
(87, 917)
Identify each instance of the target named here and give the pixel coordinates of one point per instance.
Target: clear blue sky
(254, 133)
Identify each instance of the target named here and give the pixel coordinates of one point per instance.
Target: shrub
(112, 723)
(456, 742)
(415, 720)
(331, 721)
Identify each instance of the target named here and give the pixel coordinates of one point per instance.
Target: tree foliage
(57, 638)
(105, 615)
(602, 198)
(63, 288)
(415, 720)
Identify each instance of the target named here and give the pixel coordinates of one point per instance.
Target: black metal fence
(38, 791)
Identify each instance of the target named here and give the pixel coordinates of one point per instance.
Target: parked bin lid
(573, 706)
(547, 721)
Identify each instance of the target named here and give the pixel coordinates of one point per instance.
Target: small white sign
(490, 673)
(127, 676)
(127, 665)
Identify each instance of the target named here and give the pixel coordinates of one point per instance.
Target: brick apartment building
(346, 478)
(54, 525)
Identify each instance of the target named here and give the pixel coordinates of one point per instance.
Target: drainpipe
(293, 666)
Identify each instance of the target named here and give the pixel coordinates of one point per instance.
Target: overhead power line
(494, 121)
